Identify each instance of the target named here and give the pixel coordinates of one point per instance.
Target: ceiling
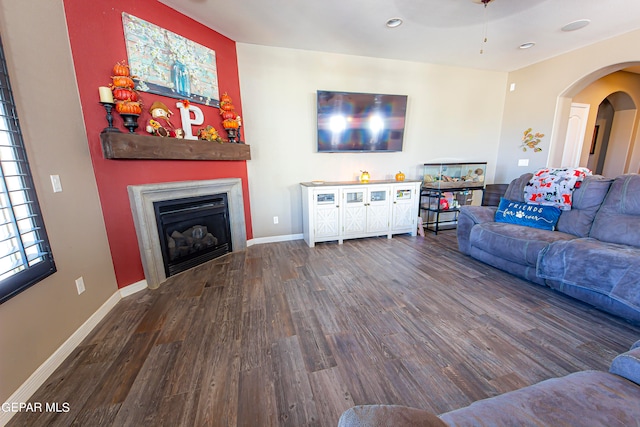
(448, 32)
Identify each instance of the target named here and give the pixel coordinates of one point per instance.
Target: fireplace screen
(192, 231)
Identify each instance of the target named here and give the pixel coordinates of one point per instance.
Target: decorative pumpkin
(230, 124)
(128, 107)
(225, 98)
(123, 81)
(226, 106)
(400, 176)
(121, 69)
(364, 176)
(228, 115)
(124, 94)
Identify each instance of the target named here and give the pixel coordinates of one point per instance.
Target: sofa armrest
(627, 365)
(388, 416)
(468, 217)
(479, 214)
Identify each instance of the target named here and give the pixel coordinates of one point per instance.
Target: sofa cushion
(529, 215)
(627, 365)
(515, 190)
(618, 220)
(590, 398)
(468, 217)
(607, 268)
(512, 242)
(586, 202)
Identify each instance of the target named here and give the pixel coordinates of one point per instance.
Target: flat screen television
(360, 122)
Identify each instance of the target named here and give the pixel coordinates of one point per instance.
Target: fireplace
(190, 211)
(192, 230)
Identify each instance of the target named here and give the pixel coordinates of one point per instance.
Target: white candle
(105, 94)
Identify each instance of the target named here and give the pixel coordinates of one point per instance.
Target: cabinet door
(355, 212)
(404, 208)
(378, 210)
(326, 213)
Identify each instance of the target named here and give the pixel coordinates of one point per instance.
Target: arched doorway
(611, 145)
(615, 150)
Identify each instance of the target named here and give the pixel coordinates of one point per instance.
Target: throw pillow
(537, 216)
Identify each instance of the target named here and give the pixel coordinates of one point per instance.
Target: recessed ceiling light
(576, 25)
(527, 45)
(394, 22)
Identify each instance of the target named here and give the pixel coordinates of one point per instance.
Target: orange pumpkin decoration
(124, 94)
(123, 81)
(121, 69)
(230, 124)
(128, 107)
(226, 106)
(400, 176)
(225, 98)
(228, 115)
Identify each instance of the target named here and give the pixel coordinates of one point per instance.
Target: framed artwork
(168, 64)
(592, 150)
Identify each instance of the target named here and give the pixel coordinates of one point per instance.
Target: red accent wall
(97, 43)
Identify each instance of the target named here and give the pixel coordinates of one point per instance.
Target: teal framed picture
(168, 64)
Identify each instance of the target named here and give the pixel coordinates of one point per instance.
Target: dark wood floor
(286, 335)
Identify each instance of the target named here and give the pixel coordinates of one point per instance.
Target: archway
(610, 155)
(626, 156)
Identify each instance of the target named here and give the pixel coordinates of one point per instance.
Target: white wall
(454, 114)
(621, 132)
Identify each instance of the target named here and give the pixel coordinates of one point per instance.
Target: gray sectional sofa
(587, 398)
(592, 255)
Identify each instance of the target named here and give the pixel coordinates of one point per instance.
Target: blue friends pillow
(530, 215)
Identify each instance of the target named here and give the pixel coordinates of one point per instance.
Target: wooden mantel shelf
(135, 146)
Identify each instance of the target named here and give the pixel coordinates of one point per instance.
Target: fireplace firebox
(192, 230)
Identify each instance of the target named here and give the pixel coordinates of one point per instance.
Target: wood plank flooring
(286, 335)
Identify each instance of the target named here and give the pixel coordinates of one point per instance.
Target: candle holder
(130, 121)
(232, 133)
(108, 106)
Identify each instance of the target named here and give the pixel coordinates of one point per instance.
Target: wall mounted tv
(360, 122)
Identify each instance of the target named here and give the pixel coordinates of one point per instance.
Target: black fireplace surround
(192, 231)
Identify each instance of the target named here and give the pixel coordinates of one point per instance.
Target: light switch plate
(523, 162)
(56, 183)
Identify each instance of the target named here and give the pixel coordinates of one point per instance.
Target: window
(25, 256)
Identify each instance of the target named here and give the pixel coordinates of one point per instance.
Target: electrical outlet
(523, 162)
(80, 285)
(275, 220)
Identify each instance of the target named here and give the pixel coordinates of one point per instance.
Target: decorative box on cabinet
(347, 210)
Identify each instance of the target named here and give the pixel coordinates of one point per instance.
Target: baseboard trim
(274, 239)
(133, 288)
(44, 371)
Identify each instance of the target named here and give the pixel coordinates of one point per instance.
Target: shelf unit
(441, 206)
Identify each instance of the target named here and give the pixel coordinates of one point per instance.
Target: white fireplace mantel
(142, 198)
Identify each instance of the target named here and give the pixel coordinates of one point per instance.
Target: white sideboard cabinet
(348, 210)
